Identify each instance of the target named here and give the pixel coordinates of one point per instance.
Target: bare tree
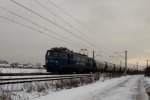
(3, 62)
(14, 64)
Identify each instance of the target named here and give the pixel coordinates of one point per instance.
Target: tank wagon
(101, 66)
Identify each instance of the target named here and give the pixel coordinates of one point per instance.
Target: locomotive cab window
(55, 54)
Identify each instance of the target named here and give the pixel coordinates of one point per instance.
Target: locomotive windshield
(54, 54)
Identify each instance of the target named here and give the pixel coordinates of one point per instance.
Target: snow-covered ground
(30, 90)
(147, 84)
(124, 88)
(19, 70)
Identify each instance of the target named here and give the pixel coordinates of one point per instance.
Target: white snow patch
(19, 70)
(85, 92)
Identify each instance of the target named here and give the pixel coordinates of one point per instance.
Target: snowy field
(124, 88)
(19, 70)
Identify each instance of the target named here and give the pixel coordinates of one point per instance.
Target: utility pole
(93, 54)
(125, 63)
(125, 57)
(146, 69)
(147, 63)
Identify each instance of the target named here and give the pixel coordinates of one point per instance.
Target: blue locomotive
(63, 60)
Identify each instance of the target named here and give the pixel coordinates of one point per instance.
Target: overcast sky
(119, 25)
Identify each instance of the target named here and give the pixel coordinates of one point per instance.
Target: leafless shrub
(42, 88)
(59, 85)
(5, 97)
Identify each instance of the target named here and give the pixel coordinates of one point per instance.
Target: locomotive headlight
(56, 62)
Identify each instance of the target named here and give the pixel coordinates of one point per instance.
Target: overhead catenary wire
(56, 36)
(89, 43)
(11, 20)
(85, 41)
(63, 20)
(36, 24)
(43, 6)
(52, 13)
(81, 23)
(93, 45)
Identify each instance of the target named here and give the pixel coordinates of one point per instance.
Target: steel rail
(4, 81)
(34, 74)
(7, 79)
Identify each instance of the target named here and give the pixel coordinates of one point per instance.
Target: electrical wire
(93, 45)
(86, 41)
(81, 23)
(35, 30)
(67, 23)
(35, 24)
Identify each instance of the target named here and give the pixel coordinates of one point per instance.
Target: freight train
(63, 60)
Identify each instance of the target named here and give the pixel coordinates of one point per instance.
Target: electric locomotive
(62, 60)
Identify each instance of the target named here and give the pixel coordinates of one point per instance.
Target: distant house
(4, 65)
(29, 65)
(20, 65)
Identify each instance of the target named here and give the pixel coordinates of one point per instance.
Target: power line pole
(125, 57)
(146, 69)
(93, 55)
(125, 63)
(147, 63)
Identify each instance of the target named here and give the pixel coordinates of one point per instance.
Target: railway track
(14, 78)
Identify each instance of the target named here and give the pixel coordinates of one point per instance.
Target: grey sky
(124, 24)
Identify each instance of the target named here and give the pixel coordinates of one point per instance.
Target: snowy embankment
(147, 85)
(30, 90)
(80, 93)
